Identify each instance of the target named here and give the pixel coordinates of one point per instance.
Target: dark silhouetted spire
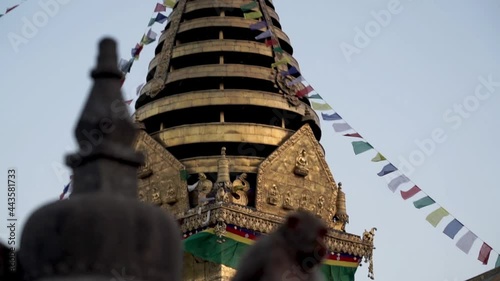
(105, 133)
(99, 234)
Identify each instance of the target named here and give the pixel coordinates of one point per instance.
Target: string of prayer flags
(160, 8)
(258, 25)
(465, 242)
(379, 157)
(253, 15)
(354, 135)
(320, 106)
(361, 146)
(331, 117)
(435, 217)
(249, 6)
(263, 35)
(396, 182)
(410, 193)
(169, 3)
(423, 202)
(304, 92)
(484, 253)
(341, 127)
(387, 169)
(453, 228)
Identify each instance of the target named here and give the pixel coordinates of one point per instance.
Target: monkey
(294, 252)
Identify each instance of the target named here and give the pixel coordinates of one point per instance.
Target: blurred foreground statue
(103, 232)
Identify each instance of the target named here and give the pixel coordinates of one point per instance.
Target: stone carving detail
(171, 196)
(301, 164)
(306, 202)
(200, 190)
(273, 197)
(241, 187)
(320, 205)
(288, 202)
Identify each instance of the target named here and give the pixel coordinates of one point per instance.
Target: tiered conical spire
(211, 85)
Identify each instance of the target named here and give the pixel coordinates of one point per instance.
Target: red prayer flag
(305, 91)
(271, 42)
(355, 135)
(160, 8)
(484, 253)
(128, 102)
(11, 8)
(410, 193)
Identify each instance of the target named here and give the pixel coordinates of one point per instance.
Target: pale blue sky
(394, 91)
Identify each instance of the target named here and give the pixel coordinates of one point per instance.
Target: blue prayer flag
(453, 228)
(389, 168)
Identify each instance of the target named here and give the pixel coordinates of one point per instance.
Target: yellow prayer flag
(320, 106)
(435, 217)
(280, 62)
(169, 3)
(253, 15)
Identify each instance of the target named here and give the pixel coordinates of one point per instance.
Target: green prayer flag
(424, 202)
(361, 146)
(379, 157)
(253, 15)
(320, 106)
(278, 50)
(316, 96)
(497, 264)
(151, 21)
(249, 6)
(185, 175)
(435, 217)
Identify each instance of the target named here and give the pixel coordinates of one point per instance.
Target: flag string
(148, 37)
(298, 82)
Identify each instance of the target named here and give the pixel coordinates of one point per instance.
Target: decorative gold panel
(159, 180)
(295, 176)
